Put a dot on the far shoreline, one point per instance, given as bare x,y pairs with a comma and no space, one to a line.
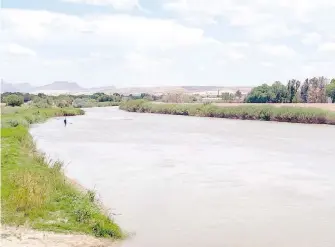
259,112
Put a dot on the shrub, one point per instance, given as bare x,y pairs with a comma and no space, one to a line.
251,112
14,100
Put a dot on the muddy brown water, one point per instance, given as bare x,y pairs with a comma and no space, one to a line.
188,181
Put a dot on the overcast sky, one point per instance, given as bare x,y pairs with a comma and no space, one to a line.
166,42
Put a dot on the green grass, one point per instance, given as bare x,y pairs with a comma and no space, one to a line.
34,191
85,103
108,103
245,112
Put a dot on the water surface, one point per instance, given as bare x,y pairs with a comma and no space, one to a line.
187,181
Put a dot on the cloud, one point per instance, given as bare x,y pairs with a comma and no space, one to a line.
44,26
311,38
271,30
131,49
278,50
327,47
267,64
193,42
15,49
239,44
255,10
117,4
260,19
235,55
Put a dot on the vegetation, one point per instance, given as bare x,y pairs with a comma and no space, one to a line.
47,101
26,96
34,189
248,112
311,91
330,89
238,94
227,97
178,98
14,100
87,103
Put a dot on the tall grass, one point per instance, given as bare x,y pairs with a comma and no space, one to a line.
34,190
247,112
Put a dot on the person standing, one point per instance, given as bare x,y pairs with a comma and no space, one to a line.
65,122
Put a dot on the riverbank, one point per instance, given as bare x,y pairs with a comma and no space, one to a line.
324,106
21,236
243,112
35,191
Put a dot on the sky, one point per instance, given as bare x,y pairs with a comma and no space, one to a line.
166,42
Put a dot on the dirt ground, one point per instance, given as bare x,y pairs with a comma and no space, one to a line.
24,237
325,106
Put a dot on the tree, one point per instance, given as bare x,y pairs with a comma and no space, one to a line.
27,97
260,94
279,92
304,91
293,87
227,96
238,94
14,100
176,97
317,90
42,95
330,90
97,95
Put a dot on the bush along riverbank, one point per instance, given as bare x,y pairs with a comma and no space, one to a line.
246,112
34,191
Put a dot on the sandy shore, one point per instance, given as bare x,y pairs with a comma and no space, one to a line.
19,237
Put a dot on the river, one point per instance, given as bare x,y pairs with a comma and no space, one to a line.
180,181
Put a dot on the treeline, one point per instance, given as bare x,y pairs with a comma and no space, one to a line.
66,100
45,101
314,90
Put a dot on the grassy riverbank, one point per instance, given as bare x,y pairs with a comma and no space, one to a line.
247,112
34,191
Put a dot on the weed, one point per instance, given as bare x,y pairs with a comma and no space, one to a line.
34,189
248,112
91,195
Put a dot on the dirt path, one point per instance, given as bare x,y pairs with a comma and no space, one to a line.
24,237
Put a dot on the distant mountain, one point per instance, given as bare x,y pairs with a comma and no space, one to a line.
55,87
24,87
65,87
19,87
61,85
7,87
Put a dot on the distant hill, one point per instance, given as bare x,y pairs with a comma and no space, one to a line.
55,87
8,87
61,85
65,87
19,87
24,87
